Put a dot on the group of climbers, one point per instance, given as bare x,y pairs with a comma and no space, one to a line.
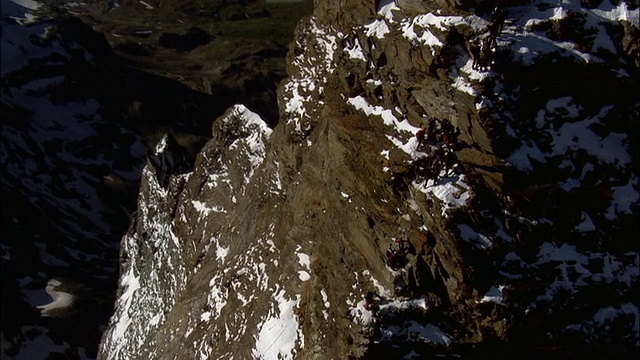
438,133
397,254
482,48
437,141
398,259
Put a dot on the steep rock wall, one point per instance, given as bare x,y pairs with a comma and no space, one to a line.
268,247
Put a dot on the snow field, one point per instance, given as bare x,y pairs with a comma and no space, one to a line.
279,333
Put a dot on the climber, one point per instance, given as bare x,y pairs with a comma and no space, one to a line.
446,141
396,258
391,256
370,303
368,300
498,17
426,175
420,166
474,51
371,64
448,134
434,168
439,161
432,131
444,157
486,53
420,136
402,245
450,159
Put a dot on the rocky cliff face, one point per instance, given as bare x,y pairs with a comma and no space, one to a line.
522,244
79,118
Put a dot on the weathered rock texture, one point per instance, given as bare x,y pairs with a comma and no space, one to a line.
526,248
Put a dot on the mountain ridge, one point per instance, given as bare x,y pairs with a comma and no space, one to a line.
444,179
491,245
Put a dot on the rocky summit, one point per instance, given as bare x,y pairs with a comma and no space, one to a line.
445,179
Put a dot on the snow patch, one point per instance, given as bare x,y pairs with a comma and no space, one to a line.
204,210
620,12
377,29
453,192
303,275
28,4
131,284
325,298
586,224
415,331
386,9
278,334
146,5
460,84
381,290
221,252
468,234
494,295
303,260
362,104
609,313
161,146
623,199
60,299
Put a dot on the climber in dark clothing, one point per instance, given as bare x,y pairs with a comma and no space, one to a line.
402,245
420,136
481,51
498,17
424,169
396,259
391,256
370,303
368,300
446,140
432,130
486,53
474,51
421,167
448,134
440,161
